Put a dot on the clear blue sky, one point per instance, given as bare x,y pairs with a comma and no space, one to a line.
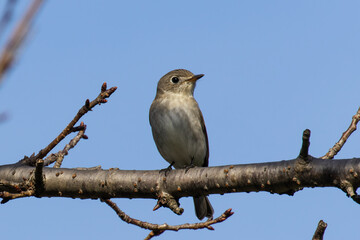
272,69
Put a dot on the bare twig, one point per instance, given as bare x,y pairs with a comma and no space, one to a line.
161,228
320,230
154,233
101,98
158,229
304,152
59,156
13,186
18,36
337,147
6,196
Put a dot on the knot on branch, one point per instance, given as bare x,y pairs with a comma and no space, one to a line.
167,200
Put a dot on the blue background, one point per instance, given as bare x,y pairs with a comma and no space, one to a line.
272,69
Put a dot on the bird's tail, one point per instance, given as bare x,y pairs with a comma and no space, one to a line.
203,207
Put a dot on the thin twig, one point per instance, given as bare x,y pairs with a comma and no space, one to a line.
101,98
304,152
17,38
154,233
337,147
59,156
13,186
320,230
158,229
6,196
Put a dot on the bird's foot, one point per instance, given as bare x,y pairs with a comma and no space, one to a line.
187,168
167,170
190,166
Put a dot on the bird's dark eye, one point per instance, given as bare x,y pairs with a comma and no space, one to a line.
175,79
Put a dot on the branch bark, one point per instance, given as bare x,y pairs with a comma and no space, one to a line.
320,230
283,177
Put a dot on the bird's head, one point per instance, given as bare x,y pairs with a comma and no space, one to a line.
179,81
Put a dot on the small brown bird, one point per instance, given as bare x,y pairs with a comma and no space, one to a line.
178,127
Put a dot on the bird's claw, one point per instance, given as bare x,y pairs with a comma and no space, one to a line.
167,170
187,168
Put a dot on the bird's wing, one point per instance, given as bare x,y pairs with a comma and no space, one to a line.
206,160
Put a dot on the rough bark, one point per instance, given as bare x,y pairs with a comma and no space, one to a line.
283,177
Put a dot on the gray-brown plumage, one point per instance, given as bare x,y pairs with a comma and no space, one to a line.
178,127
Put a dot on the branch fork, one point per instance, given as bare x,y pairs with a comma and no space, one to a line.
300,172
35,184
157,229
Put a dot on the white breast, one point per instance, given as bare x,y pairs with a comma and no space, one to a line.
177,130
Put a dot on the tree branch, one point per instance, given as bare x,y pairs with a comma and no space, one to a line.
17,38
320,230
159,229
59,156
283,177
337,147
101,98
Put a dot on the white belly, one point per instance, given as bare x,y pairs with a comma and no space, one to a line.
178,132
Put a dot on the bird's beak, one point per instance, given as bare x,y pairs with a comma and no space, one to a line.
195,78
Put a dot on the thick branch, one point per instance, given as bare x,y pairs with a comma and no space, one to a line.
283,177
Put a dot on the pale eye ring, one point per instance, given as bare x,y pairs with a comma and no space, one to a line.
174,79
